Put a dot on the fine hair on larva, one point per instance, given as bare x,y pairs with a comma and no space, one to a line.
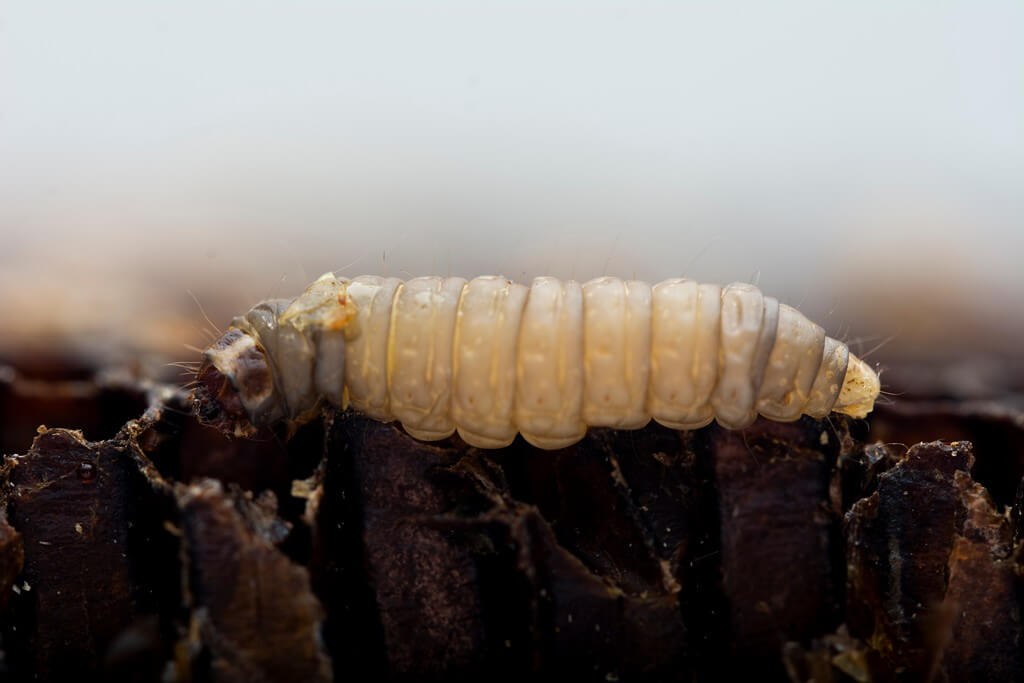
489,358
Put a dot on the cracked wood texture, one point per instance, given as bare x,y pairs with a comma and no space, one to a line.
148,547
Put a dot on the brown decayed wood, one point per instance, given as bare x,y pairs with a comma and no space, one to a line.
800,551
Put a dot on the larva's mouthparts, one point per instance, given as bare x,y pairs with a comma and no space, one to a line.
234,382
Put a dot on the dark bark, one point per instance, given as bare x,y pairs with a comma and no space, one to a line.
806,551
251,608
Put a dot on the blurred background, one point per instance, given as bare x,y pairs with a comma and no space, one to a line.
861,162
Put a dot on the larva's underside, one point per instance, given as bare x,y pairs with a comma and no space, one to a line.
489,358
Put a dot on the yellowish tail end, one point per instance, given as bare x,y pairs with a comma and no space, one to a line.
860,389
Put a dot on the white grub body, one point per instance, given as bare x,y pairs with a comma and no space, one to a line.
490,358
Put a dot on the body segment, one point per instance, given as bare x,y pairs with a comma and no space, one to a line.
685,333
549,365
740,367
366,345
616,353
419,356
491,358
486,336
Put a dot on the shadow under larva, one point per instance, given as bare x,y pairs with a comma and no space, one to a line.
489,358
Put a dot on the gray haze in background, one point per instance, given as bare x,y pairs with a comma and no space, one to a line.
865,161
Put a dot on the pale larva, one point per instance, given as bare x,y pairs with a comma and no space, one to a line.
490,358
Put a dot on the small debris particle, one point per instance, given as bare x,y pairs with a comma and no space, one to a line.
303,488
86,472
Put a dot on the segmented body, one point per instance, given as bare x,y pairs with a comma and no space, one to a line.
490,358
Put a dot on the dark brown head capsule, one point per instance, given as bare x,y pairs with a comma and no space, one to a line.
234,383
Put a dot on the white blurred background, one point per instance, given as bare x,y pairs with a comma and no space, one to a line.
863,162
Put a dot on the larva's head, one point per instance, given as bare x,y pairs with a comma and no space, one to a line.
860,389
234,379
277,361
